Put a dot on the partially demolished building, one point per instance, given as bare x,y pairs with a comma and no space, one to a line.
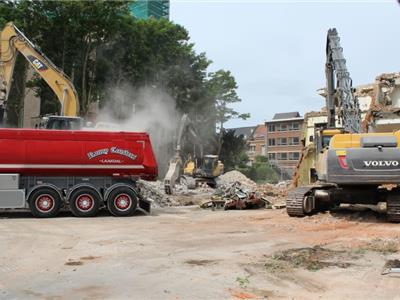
383,114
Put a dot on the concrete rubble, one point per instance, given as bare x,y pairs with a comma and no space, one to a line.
231,177
230,185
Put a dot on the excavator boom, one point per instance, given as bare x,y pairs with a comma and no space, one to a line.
348,106
13,40
175,166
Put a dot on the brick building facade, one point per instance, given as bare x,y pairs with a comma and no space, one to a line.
283,141
257,142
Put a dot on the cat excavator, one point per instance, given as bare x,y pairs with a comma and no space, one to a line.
12,42
191,171
350,167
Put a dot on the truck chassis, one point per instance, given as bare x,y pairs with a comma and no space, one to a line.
84,196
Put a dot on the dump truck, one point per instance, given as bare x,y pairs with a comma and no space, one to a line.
45,171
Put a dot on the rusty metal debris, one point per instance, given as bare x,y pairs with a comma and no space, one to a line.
236,197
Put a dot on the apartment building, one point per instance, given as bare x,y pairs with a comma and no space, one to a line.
283,140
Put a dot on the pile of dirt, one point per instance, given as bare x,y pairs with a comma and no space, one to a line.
383,245
182,196
154,192
229,178
274,193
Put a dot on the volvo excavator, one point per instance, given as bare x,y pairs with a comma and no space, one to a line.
12,42
350,167
190,171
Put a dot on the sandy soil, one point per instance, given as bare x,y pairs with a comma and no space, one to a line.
189,253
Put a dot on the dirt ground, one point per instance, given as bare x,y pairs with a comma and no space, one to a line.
189,253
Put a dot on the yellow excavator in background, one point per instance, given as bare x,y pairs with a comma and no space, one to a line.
12,41
190,172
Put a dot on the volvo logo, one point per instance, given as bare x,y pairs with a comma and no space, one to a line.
381,163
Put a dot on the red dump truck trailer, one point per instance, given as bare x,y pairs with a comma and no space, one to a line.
49,170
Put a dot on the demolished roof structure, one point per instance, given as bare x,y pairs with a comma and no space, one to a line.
384,110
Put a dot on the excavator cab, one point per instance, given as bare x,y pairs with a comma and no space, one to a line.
189,166
212,167
209,164
323,137
64,123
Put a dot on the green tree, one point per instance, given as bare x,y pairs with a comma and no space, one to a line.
233,151
261,170
222,87
157,54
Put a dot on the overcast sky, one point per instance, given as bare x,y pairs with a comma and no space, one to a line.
276,49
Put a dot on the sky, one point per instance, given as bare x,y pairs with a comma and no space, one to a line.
276,49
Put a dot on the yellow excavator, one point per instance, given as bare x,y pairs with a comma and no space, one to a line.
350,167
12,41
190,172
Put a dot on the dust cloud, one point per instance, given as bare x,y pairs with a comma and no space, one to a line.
144,109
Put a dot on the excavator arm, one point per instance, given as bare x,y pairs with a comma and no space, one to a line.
175,164
13,40
347,103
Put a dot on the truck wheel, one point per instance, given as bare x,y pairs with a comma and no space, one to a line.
44,203
84,202
122,202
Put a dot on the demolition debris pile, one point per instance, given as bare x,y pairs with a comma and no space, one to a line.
232,177
154,191
271,193
275,193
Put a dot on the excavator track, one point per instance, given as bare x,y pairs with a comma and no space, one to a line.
294,201
393,207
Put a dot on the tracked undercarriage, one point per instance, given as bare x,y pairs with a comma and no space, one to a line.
309,200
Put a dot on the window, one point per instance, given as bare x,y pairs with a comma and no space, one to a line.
282,156
294,141
282,141
252,148
294,155
263,152
271,156
271,128
271,142
295,126
283,127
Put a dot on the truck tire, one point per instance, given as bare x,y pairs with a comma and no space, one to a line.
44,202
122,202
84,202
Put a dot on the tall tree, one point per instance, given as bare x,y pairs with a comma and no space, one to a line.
222,86
233,151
